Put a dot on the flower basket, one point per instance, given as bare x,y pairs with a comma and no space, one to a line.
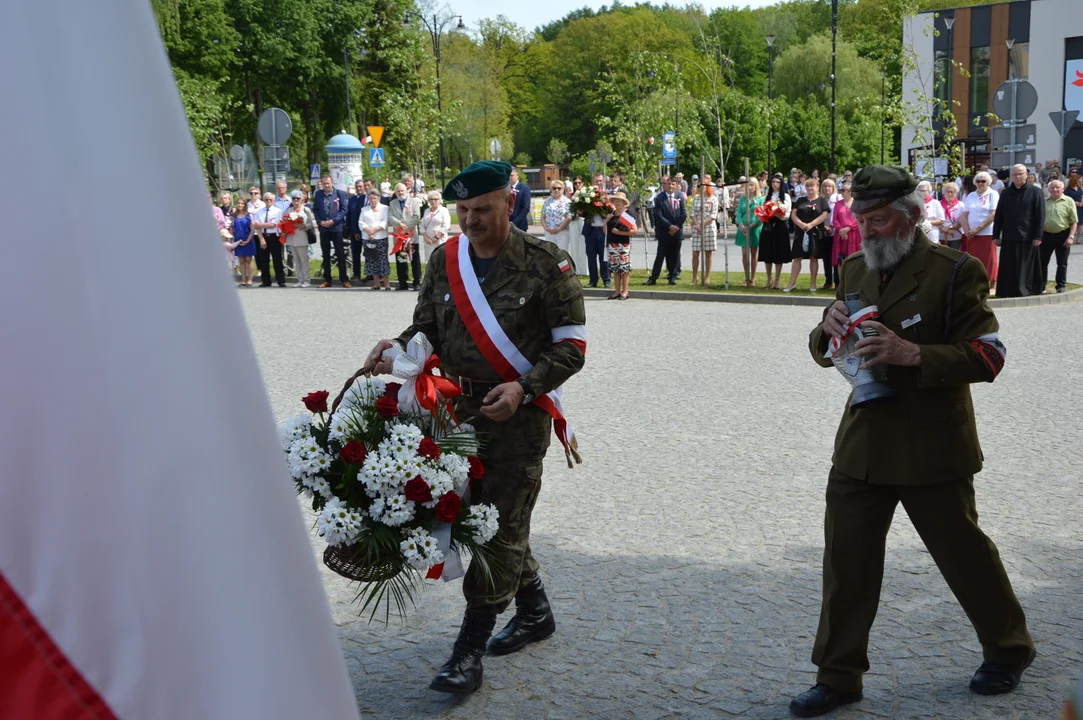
387,469
356,562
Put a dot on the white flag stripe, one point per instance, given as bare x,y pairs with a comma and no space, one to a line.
146,517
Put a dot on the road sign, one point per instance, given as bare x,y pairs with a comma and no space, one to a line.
931,167
494,148
669,147
274,126
236,153
314,171
1063,120
1001,136
1007,158
376,156
275,153
377,133
1015,100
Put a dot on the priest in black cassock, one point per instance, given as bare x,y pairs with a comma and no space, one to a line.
1017,227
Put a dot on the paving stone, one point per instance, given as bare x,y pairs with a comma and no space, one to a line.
694,529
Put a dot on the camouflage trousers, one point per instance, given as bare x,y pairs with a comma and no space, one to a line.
512,485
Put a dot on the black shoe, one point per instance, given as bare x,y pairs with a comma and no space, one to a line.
821,699
672,282
651,281
678,276
996,679
533,620
462,673
265,284
593,285
606,283
1060,290
402,287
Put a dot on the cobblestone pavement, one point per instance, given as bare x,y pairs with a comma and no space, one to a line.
683,557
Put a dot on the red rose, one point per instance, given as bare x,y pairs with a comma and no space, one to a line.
417,490
477,470
429,449
388,407
392,390
316,401
448,507
353,452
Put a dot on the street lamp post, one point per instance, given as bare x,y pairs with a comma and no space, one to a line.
676,124
883,96
834,41
435,31
770,97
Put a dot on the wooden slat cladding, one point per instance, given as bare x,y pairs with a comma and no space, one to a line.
998,51
960,85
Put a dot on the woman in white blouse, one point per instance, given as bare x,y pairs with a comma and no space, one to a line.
934,212
556,216
435,225
976,218
373,226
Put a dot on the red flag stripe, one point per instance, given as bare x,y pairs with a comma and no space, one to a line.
36,679
581,344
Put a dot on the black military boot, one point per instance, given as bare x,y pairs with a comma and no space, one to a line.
533,620
461,674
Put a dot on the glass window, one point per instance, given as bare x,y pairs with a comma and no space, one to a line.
942,79
1019,61
979,79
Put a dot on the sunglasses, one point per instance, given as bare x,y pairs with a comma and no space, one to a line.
981,182
254,193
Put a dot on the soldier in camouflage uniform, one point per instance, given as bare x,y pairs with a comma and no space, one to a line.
537,300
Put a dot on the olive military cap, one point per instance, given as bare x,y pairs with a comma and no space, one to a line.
875,186
479,178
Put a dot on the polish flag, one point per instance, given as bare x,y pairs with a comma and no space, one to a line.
154,562
627,221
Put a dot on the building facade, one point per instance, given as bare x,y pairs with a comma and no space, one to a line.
1039,40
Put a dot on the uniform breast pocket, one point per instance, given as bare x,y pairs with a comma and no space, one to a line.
517,312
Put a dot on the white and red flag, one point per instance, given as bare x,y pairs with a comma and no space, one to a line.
154,562
627,221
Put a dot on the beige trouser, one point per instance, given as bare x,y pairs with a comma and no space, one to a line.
300,262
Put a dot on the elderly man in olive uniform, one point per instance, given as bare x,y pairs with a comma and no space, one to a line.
920,448
537,300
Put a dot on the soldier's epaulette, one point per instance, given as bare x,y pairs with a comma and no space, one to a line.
945,253
549,248
853,257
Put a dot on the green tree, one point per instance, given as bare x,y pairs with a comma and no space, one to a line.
557,151
805,71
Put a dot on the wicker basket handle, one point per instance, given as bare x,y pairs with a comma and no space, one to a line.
363,371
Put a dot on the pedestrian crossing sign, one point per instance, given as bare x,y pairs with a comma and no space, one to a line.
376,157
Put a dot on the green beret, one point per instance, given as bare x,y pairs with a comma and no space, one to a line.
479,178
875,186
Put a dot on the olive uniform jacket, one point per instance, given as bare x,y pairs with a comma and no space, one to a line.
531,295
927,434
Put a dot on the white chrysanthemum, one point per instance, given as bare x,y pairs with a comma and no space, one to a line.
407,435
377,508
397,511
293,429
321,487
419,549
439,483
335,523
457,466
409,549
363,392
338,427
485,521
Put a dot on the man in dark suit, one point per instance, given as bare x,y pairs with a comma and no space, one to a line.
670,214
330,206
352,232
936,335
1018,225
520,214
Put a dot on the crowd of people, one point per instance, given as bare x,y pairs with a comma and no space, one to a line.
360,231
1015,222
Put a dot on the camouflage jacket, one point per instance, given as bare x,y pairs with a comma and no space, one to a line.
530,296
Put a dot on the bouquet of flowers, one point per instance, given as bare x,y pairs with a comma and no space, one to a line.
770,211
589,201
291,222
388,469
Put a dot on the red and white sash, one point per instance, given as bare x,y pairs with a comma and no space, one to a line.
495,344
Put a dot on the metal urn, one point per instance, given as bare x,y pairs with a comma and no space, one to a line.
870,386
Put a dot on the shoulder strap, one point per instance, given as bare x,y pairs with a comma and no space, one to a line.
951,295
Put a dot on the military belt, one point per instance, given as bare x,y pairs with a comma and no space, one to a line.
477,388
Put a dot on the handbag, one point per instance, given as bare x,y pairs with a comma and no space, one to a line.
311,231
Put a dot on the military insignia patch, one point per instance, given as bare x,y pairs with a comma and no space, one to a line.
564,266
459,189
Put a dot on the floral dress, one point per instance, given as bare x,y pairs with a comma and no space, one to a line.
708,239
